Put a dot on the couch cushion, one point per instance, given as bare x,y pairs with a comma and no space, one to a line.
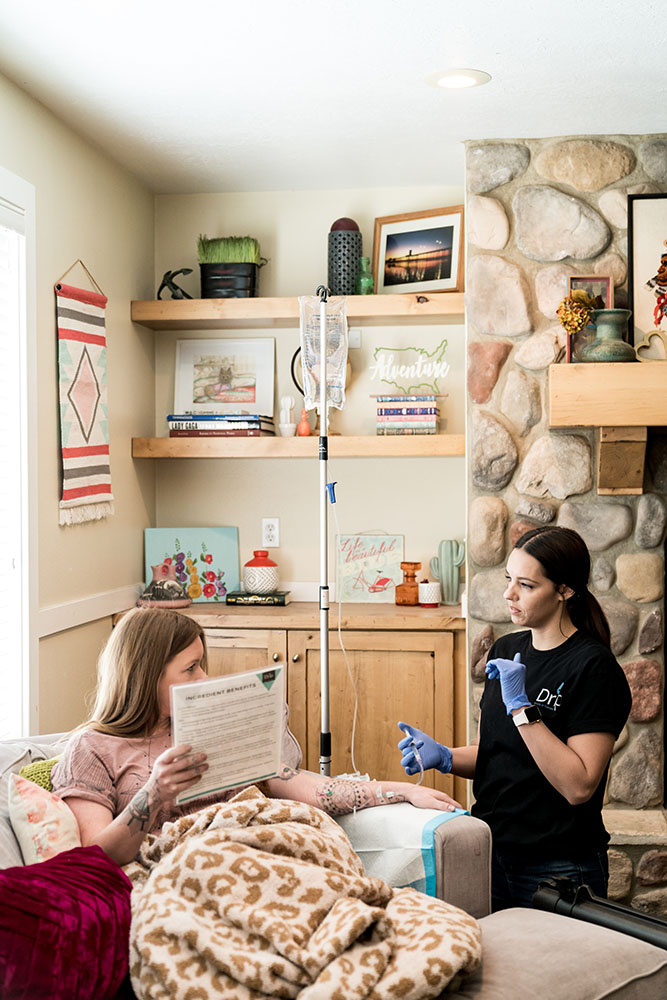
532,953
10,852
15,754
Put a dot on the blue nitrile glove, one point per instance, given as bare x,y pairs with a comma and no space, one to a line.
512,674
432,754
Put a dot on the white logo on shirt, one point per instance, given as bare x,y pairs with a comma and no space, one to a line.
548,700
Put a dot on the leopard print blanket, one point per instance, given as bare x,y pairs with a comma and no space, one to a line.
260,897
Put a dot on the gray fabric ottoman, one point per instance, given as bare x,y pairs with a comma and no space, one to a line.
535,955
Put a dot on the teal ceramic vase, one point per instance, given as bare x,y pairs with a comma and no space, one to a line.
609,345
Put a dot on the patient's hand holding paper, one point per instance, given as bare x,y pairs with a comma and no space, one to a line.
236,721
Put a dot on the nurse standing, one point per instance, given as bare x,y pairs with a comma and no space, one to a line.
554,702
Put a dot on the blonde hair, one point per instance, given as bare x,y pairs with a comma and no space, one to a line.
130,666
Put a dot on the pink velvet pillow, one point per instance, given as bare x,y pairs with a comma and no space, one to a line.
64,928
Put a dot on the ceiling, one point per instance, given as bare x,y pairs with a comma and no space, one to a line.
221,95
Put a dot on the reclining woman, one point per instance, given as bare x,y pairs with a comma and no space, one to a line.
554,702
119,773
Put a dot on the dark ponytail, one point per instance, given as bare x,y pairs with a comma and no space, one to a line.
565,559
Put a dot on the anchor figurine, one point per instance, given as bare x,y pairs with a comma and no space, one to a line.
168,282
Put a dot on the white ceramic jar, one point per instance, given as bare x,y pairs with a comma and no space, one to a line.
260,574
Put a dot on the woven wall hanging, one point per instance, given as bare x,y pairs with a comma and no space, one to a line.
84,425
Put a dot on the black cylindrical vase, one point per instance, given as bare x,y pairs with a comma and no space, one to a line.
228,281
344,258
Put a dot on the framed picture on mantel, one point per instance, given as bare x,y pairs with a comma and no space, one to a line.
419,251
647,264
594,284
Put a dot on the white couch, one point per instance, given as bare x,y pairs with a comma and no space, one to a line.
527,954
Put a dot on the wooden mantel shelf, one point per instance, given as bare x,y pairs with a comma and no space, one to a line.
621,400
340,446
213,314
608,395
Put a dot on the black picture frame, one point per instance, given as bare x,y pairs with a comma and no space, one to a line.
647,233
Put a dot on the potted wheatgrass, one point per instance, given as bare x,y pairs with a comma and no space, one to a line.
229,266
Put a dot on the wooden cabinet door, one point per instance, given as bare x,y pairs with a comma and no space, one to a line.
231,651
406,676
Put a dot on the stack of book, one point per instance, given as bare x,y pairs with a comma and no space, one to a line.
406,415
279,597
219,425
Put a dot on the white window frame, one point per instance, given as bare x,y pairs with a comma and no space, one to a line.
19,195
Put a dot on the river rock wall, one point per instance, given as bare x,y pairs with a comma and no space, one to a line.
538,210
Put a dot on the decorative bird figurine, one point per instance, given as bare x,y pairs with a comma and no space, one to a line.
164,590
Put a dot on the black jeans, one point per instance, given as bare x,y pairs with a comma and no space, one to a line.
514,880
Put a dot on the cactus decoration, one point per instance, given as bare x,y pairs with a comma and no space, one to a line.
445,567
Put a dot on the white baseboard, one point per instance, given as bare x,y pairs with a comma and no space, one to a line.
58,617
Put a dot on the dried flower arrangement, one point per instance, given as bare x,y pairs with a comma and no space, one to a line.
574,313
575,310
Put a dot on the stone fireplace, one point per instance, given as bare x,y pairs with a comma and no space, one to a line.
537,211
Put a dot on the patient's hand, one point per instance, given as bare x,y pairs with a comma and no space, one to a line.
428,798
174,771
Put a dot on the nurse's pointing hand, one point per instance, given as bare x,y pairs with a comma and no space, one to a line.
512,675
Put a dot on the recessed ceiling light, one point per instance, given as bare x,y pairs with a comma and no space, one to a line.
456,79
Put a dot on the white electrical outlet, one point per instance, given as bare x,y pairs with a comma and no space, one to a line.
271,532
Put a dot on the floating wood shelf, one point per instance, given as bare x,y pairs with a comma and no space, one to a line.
621,400
608,395
409,446
214,314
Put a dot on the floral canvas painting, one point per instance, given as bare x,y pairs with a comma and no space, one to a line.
206,560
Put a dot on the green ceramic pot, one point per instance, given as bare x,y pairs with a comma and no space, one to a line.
609,345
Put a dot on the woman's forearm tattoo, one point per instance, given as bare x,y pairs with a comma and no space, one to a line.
341,796
139,811
286,772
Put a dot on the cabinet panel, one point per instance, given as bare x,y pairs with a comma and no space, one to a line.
231,651
398,675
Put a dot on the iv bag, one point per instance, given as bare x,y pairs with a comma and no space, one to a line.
311,355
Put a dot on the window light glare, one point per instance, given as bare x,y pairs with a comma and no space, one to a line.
457,79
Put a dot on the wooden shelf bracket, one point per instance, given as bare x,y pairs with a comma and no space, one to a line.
621,457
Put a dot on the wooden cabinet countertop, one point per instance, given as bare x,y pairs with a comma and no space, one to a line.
306,615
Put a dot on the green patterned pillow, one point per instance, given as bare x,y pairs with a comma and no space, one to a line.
40,772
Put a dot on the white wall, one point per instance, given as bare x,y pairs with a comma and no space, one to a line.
90,208
424,499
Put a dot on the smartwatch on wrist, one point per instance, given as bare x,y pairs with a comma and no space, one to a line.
527,715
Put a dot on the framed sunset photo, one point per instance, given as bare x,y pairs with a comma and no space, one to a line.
419,251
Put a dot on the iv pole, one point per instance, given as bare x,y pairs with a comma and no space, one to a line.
325,728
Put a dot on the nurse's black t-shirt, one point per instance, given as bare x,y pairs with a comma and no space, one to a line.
580,688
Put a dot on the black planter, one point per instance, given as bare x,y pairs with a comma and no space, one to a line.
229,281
